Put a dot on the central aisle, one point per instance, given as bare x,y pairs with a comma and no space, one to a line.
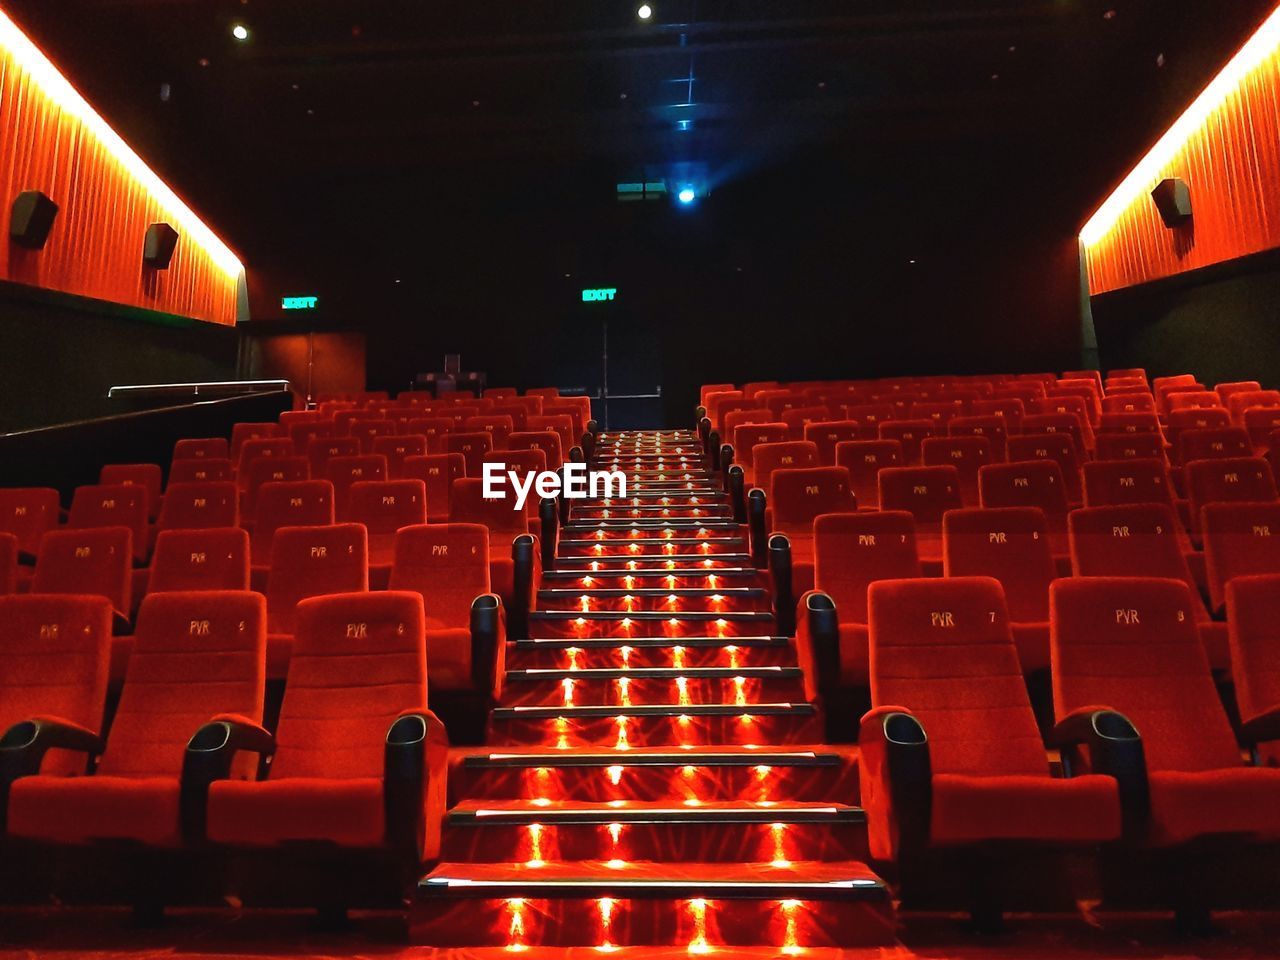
651,779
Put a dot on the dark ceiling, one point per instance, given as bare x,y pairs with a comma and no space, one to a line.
417,121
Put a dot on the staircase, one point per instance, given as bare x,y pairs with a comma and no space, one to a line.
652,779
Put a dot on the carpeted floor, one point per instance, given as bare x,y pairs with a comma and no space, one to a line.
197,935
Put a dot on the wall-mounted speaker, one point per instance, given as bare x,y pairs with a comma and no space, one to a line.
1173,200
32,219
158,249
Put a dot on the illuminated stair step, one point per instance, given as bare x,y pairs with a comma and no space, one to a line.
519,812
689,563
656,725
598,653
661,710
654,673
667,643
622,688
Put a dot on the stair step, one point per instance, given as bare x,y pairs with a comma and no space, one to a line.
657,615
613,643
520,812
655,673
552,712
604,653
707,756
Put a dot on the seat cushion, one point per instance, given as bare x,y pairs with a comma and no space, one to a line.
449,659
855,668
969,809
348,813
279,652
1189,804
1032,640
83,809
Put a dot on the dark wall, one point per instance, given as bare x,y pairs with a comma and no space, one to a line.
1222,324
61,356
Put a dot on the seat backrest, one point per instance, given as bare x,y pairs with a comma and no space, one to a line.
195,655
967,454
384,506
1238,403
560,423
54,660
1059,447
433,428
911,434
499,428
448,563
1009,409
852,550
1233,480
28,513
1130,423
202,448
1260,423
258,449
737,418
93,562
1027,483
1109,483
112,505
1138,400
790,454
1131,645
199,506
148,476
1253,612
1069,423
801,495
924,492
344,472
397,449
941,413
200,560
798,418
475,447
202,470
241,433
1008,544
518,413
437,471
1130,446
1212,443
321,450
266,470
468,504
1195,400
993,427
299,503
1240,540
943,649
366,431
870,415
1134,540
749,436
313,561
548,441
359,661
827,434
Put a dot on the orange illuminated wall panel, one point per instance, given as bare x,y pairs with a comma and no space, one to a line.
1226,146
52,140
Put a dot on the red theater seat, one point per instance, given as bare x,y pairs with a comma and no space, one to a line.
170,690
397,449
1252,603
994,427
309,562
798,418
1233,480
1140,540
384,506
366,432
911,434
260,449
926,493
205,470
53,664
499,429
1009,409
1112,483
864,460
967,454
747,437
145,475
202,449
829,434
505,523
1029,483
1238,403
787,455
187,560
448,564
301,503
800,496
359,761
257,473
1010,545
1130,446
28,513
113,505
344,472
437,471
1198,430
475,448
1060,448
90,562
322,450
548,441
852,551
435,429
1131,645
947,686
199,506
1071,424
1240,540
241,433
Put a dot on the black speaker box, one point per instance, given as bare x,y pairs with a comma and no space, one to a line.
161,241
32,219
1173,200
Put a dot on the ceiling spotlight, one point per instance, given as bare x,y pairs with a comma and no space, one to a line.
240,32
645,11
686,195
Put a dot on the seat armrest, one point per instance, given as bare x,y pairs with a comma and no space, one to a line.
1261,728
784,601
24,745
415,777
210,753
897,782
488,644
526,562
1114,749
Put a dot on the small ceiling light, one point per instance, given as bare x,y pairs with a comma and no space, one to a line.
240,32
686,195
645,11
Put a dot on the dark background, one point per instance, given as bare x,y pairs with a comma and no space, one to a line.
891,187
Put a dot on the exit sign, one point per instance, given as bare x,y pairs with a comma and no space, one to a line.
599,294
299,303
